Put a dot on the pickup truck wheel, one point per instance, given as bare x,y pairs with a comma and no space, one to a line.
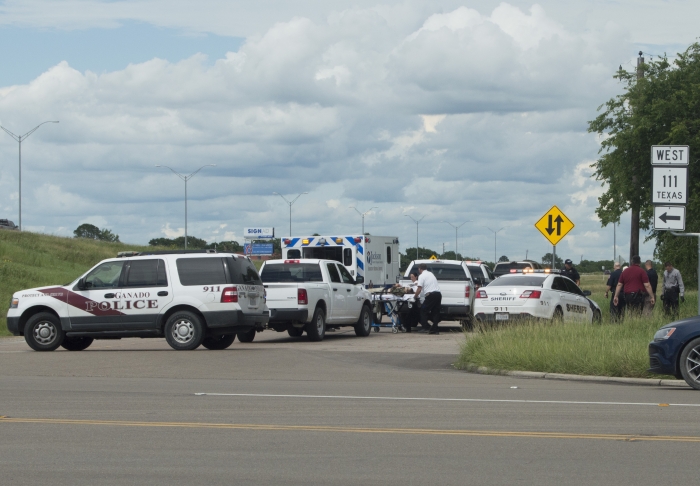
43,332
246,337
184,331
316,329
364,324
218,342
76,343
295,331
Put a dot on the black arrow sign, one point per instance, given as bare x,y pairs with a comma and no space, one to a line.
559,221
665,217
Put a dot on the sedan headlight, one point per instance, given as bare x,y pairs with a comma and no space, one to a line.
14,303
663,334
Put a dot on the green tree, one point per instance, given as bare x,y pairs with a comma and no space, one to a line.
504,259
193,243
547,260
92,232
410,254
662,108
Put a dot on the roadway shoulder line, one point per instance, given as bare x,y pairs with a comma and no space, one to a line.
483,370
434,399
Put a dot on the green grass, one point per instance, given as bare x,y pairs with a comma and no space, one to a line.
32,260
575,348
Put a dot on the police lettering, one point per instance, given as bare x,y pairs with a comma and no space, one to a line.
578,309
118,305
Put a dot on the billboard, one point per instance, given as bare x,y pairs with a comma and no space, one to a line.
258,249
258,233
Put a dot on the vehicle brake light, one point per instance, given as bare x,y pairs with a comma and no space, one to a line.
481,294
513,270
467,292
229,295
292,261
302,297
531,294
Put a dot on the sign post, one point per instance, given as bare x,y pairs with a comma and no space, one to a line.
554,226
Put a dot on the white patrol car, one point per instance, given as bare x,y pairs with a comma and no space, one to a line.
537,294
188,297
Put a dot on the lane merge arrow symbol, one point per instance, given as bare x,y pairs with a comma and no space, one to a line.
554,225
559,220
665,217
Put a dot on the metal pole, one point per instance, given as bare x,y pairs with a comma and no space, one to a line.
20,183
614,243
185,214
290,219
290,207
494,248
554,257
416,241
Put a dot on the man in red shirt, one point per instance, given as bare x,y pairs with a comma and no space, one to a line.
636,283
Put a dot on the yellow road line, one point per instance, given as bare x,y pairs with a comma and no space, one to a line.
377,430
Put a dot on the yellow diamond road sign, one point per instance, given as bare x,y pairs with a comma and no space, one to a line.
433,257
554,225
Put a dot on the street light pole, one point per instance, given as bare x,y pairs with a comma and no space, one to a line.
20,139
290,207
363,216
494,242
456,229
186,178
416,221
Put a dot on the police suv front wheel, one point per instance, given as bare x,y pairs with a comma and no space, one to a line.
184,331
43,332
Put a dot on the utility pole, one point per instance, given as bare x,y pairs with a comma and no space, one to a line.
456,229
361,214
416,221
634,226
290,207
495,260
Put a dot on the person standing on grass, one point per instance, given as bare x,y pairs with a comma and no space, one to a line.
653,281
673,289
571,272
635,282
617,312
428,285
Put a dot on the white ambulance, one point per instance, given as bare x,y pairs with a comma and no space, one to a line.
375,258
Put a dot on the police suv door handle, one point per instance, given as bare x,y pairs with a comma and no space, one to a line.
335,290
109,296
349,290
162,293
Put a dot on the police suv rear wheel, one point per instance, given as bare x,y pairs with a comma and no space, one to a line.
218,342
364,324
43,332
184,331
76,343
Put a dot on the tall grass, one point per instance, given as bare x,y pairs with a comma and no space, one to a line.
32,260
607,349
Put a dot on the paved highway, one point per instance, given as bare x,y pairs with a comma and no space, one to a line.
388,409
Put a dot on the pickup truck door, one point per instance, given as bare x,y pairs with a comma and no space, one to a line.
337,291
352,294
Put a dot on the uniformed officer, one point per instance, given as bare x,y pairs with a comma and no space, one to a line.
673,289
571,272
617,312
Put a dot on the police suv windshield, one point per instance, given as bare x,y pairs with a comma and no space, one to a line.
519,281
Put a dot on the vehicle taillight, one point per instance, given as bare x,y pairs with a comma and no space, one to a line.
481,294
229,295
531,294
292,261
302,297
467,291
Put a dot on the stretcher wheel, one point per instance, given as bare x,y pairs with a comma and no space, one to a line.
376,329
394,330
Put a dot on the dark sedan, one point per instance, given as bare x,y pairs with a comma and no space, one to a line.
675,351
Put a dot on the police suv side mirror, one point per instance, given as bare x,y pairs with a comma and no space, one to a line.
81,284
359,279
587,293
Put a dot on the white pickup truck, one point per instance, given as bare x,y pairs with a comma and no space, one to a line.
312,295
456,287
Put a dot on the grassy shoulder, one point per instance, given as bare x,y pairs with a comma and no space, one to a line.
33,260
575,348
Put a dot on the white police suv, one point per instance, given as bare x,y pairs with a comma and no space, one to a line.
534,294
191,298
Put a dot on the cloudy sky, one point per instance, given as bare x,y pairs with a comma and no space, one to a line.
451,110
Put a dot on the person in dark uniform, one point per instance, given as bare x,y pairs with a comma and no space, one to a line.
571,272
653,281
617,312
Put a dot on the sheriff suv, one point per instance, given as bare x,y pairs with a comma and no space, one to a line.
190,298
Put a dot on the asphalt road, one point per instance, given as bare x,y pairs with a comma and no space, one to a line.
388,409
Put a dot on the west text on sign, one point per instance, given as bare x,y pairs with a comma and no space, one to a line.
670,155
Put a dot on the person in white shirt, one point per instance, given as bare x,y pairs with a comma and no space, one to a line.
429,288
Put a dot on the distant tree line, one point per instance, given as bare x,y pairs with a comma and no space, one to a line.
92,232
